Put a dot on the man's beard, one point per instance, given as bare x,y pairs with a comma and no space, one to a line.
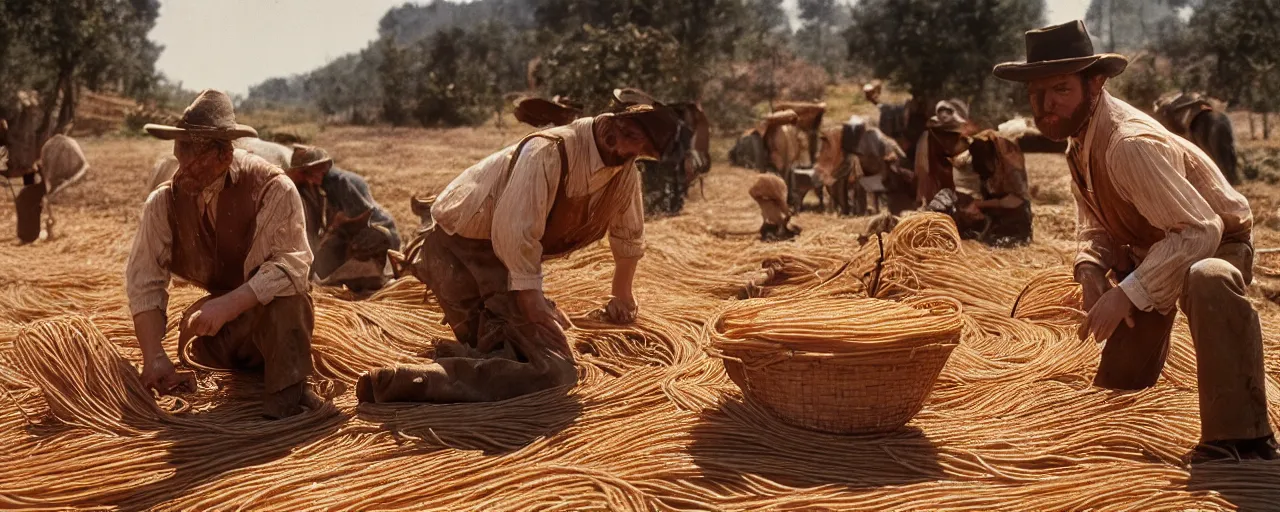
192,183
1063,128
194,178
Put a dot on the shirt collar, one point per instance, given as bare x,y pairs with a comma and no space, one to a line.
584,131
1101,110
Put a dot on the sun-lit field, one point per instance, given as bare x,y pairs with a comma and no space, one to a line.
654,423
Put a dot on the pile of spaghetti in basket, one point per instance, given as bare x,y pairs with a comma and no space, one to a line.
835,363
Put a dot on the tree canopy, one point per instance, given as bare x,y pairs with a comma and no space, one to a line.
944,49
58,46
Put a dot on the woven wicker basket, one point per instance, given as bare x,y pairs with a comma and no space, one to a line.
843,393
833,363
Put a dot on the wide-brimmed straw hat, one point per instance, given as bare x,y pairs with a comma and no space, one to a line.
210,116
306,158
1060,50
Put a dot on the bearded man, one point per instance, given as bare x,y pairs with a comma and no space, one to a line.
1157,216
232,224
553,193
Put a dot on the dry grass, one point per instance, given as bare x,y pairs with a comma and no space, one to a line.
1015,405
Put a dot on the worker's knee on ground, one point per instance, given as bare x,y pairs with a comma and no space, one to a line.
403,383
1213,276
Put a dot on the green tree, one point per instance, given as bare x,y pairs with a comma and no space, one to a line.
1129,25
588,64
1237,42
69,44
946,49
818,39
395,77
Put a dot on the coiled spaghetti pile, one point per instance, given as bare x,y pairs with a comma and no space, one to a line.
655,423
836,364
833,325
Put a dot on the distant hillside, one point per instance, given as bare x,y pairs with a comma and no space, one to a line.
410,23
353,78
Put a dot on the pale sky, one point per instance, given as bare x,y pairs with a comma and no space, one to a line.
233,44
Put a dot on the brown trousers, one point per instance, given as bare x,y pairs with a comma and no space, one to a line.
1228,344
502,355
29,203
273,338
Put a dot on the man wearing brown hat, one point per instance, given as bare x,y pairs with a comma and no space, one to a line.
232,224
1156,216
946,137
348,231
553,193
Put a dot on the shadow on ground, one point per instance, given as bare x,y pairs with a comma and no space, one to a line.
228,435
494,428
728,456
1249,485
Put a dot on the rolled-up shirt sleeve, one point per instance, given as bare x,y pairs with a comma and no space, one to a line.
626,231
280,241
147,271
1155,182
520,215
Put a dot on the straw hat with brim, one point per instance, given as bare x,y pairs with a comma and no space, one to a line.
210,116
660,123
1060,50
307,158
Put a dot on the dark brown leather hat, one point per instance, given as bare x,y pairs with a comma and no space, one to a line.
539,112
1060,50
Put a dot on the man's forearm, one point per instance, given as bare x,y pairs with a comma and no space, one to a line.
240,300
150,328
624,274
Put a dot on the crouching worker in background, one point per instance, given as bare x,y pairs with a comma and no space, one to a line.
232,224
348,231
770,193
553,193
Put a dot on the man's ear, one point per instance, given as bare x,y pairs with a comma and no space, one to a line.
1096,84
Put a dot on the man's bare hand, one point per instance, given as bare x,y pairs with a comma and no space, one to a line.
1105,316
622,310
160,375
537,310
211,317
1093,281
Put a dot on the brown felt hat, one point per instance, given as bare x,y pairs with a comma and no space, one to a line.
210,116
1060,50
306,158
660,123
539,112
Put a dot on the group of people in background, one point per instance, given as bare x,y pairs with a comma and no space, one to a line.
255,226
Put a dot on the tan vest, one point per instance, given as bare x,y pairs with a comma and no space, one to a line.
572,222
1121,219
213,256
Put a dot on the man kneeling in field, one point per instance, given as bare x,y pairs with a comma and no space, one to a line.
555,192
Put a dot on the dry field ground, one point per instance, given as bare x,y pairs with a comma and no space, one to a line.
654,424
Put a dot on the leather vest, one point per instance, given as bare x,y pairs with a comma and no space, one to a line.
212,254
573,222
